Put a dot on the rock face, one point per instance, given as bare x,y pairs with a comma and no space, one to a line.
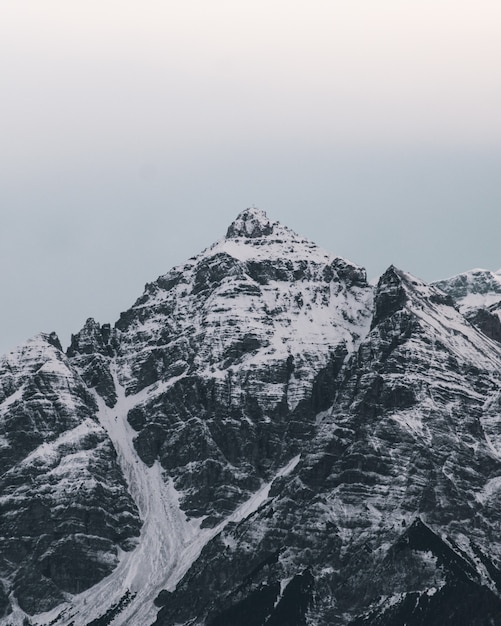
64,505
89,352
229,346
293,445
477,294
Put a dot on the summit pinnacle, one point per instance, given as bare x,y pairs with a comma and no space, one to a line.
250,223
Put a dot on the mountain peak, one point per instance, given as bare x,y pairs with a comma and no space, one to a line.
250,223
474,289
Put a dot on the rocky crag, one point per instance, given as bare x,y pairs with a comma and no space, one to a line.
262,438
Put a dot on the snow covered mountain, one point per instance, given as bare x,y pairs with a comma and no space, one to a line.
262,438
478,296
474,289
66,513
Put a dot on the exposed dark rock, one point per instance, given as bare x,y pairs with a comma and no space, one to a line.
489,323
293,606
350,274
34,592
253,610
5,606
390,295
421,538
90,351
93,339
477,282
461,604
53,340
251,223
211,272
64,508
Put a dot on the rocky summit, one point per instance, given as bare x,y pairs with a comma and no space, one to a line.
263,438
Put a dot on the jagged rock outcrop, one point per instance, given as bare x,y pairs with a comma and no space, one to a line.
64,505
89,352
488,321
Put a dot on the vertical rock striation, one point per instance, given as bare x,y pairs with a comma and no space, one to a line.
64,507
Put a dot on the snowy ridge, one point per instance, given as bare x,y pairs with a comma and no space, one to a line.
399,488
473,289
252,236
58,479
24,361
244,329
449,326
278,292
48,457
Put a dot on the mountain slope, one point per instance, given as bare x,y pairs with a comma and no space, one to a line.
64,507
477,294
405,440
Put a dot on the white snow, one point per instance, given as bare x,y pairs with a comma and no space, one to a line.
481,288
477,300
307,318
248,249
412,421
12,399
450,328
491,488
256,500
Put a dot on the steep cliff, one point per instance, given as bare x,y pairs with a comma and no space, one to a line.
65,511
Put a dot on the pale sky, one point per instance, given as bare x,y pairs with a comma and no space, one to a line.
133,132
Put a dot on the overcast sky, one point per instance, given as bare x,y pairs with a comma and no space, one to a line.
132,133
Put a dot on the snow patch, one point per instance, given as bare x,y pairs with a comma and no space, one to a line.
491,488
